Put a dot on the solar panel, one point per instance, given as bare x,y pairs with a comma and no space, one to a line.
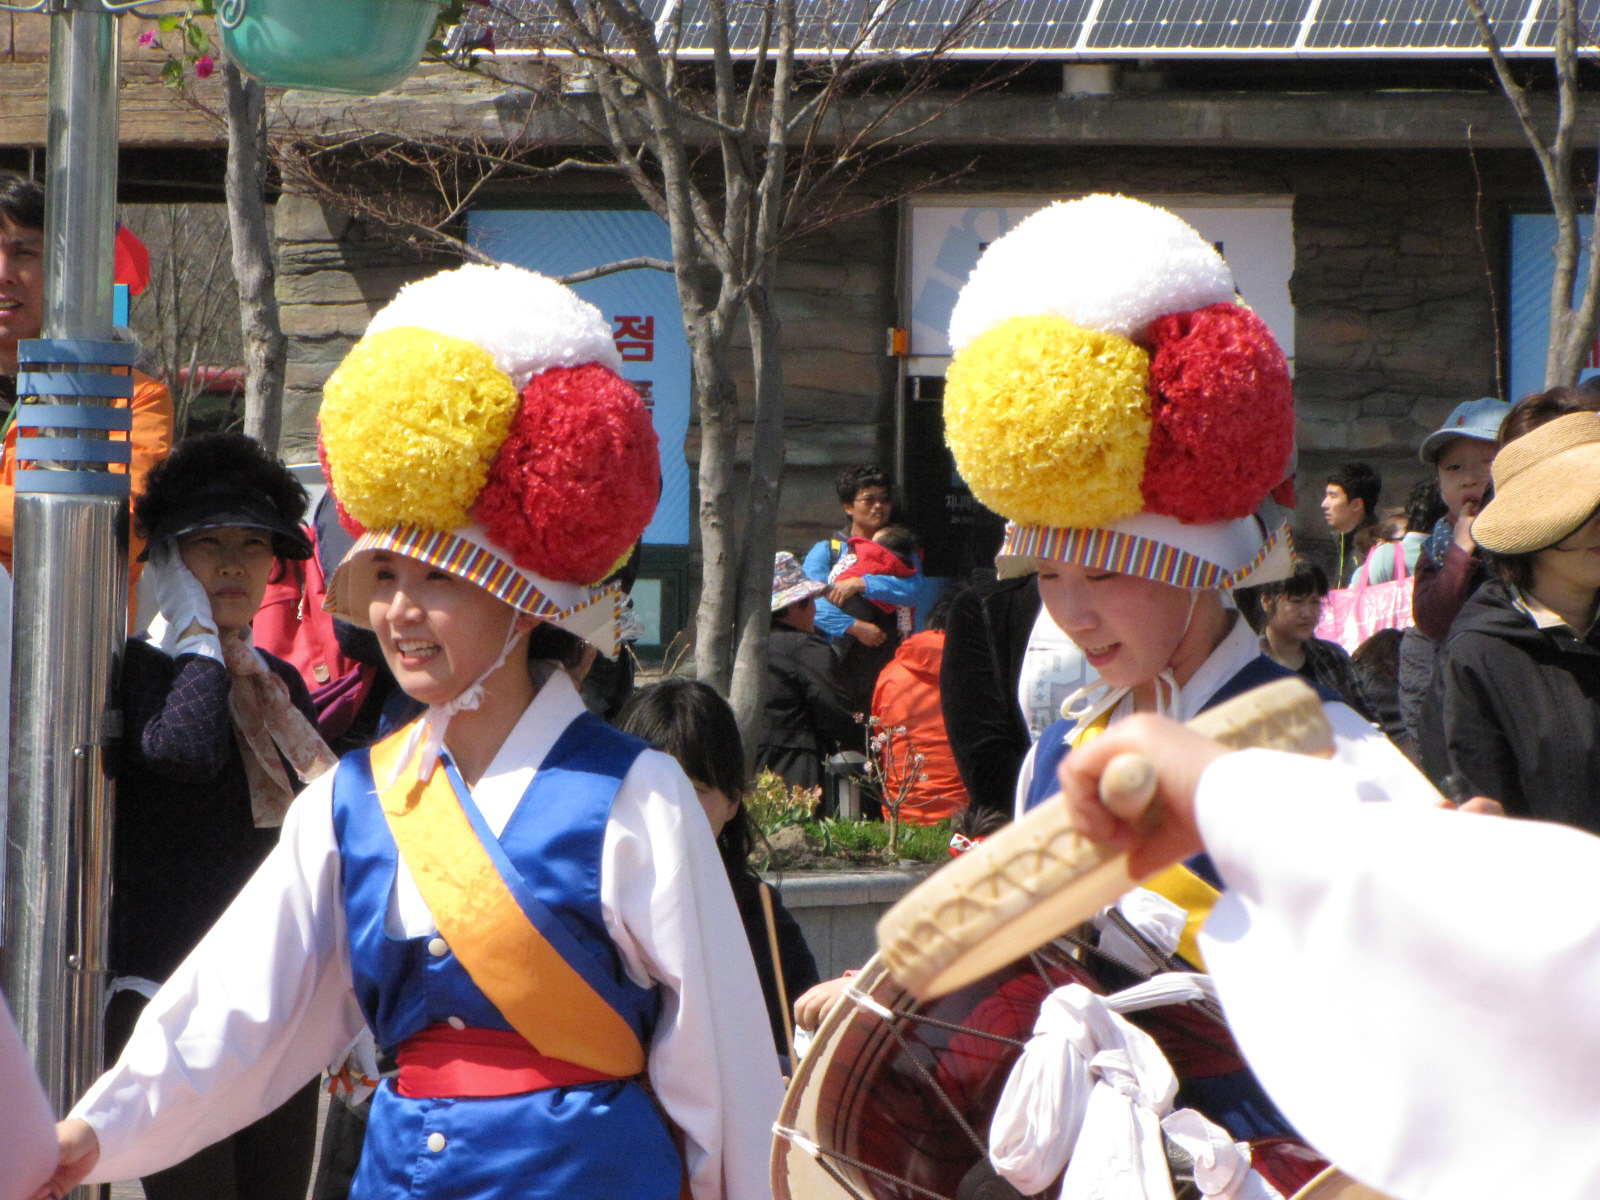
1422,24
819,24
1071,29
1198,24
1013,25
1542,29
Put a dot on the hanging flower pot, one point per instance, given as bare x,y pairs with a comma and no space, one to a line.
358,46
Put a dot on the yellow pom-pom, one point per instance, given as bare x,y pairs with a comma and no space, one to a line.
1050,422
410,423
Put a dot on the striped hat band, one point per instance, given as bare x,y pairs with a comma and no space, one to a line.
589,612
1108,550
1220,555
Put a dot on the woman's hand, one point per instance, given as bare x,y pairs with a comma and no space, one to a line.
1168,833
80,1150
852,585
809,1009
867,633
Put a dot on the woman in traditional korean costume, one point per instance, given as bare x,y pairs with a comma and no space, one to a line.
1111,398
526,906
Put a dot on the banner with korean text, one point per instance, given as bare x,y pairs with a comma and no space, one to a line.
642,306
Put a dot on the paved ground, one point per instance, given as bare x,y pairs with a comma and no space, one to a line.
132,1191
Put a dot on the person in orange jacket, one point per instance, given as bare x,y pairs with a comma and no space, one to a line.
907,697
21,317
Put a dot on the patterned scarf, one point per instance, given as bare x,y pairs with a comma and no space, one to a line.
266,722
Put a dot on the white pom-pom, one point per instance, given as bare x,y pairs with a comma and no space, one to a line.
1108,263
526,321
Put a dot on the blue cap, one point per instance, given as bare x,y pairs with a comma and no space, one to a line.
1478,419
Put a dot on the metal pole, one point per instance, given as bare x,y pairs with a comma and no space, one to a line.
70,578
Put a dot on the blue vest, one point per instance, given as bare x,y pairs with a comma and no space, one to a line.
598,1140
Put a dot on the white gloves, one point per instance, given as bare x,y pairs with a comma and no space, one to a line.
184,604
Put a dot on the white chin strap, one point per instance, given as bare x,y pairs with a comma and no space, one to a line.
1086,704
429,731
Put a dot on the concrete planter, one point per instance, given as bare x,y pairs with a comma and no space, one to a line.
839,910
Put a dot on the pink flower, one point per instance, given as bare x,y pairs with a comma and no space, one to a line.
204,65
148,38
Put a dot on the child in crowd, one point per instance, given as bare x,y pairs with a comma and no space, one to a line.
1449,567
688,720
891,551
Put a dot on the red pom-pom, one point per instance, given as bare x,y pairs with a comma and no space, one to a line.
577,479
350,525
1222,415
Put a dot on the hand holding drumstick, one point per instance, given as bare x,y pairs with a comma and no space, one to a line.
1162,833
1162,830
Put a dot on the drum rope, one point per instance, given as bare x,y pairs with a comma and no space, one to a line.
978,1143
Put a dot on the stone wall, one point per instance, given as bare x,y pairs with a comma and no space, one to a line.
1395,299
333,274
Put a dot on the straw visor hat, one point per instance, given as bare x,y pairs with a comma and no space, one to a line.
1111,398
1546,485
481,426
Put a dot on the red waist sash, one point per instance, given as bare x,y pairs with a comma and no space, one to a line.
443,1061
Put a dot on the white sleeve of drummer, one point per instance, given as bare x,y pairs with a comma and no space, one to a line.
1416,988
667,905
258,1009
1384,773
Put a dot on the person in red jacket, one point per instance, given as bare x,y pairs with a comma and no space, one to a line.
907,697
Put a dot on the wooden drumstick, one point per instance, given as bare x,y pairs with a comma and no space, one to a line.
1127,785
1038,876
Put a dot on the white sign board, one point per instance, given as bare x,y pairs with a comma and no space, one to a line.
1255,237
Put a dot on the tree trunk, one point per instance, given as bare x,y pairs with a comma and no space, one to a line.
760,542
265,348
718,404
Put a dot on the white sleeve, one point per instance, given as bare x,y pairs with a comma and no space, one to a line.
1417,989
258,1009
668,907
1384,773
30,1130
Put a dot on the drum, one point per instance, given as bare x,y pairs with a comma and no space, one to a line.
895,1097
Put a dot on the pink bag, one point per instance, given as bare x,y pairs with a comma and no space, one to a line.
1351,615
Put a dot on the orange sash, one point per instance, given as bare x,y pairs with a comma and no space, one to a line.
537,991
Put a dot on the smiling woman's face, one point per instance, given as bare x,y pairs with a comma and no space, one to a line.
439,633
1128,627
233,564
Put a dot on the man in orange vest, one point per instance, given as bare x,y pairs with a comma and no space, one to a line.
22,317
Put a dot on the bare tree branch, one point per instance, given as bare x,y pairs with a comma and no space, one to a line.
623,264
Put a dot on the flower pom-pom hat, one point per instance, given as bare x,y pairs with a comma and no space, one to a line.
481,426
1110,397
